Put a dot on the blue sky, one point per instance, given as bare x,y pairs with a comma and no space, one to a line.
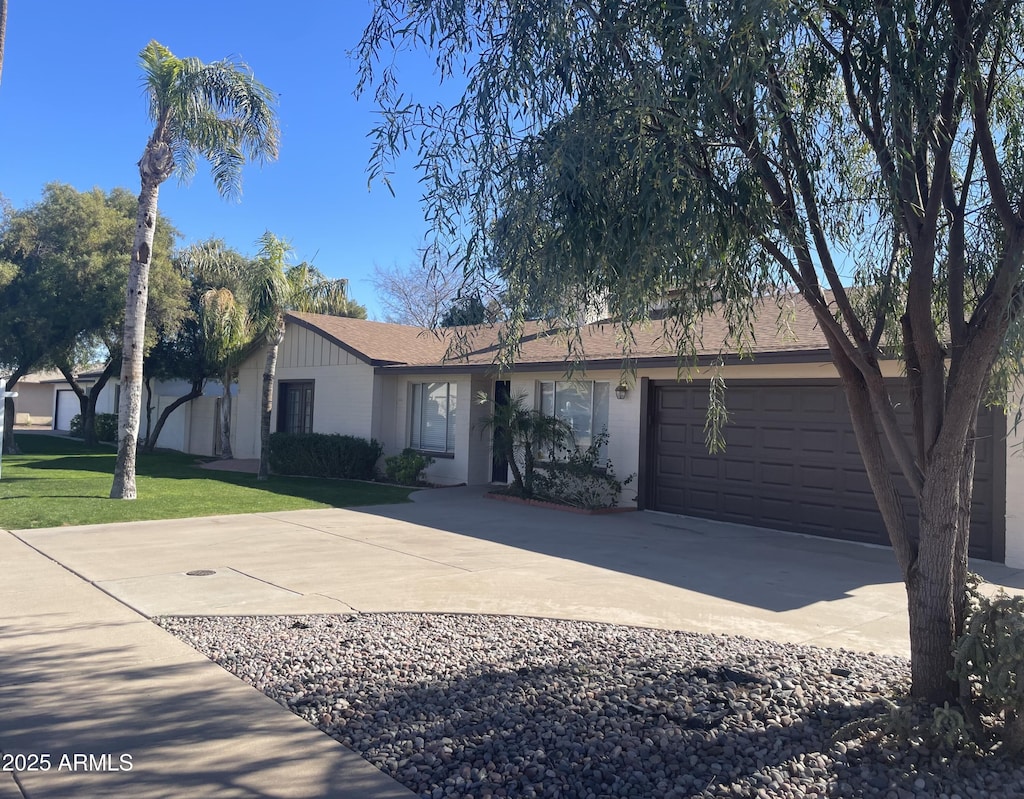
72,110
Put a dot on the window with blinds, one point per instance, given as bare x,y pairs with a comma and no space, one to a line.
433,417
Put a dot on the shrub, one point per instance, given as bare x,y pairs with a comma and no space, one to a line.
324,455
988,661
106,427
579,479
105,424
407,468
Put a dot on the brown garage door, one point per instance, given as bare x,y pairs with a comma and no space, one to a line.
790,463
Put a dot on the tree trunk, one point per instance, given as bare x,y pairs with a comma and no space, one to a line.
86,424
137,297
195,393
87,399
268,401
10,446
96,389
517,475
147,383
934,594
225,417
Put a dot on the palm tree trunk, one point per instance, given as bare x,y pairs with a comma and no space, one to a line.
3,32
130,407
268,400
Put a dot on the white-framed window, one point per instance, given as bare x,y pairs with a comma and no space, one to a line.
582,404
433,417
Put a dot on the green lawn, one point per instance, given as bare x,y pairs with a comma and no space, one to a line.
59,481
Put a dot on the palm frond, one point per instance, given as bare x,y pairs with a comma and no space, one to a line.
217,111
159,73
213,264
267,285
225,327
313,292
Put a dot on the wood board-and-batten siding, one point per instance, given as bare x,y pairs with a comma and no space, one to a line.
302,347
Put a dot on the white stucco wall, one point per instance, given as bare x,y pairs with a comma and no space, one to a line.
1015,497
444,470
34,403
343,389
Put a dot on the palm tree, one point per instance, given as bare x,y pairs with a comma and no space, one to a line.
274,289
216,111
226,334
3,31
521,434
221,274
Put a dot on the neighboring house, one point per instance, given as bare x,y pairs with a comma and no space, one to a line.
791,461
35,403
45,399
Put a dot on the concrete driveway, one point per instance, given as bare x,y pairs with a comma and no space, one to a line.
83,671
453,550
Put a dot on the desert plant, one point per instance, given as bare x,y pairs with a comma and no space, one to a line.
521,433
407,468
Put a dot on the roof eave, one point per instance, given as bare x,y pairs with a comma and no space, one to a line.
597,364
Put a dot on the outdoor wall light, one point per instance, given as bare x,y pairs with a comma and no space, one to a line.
621,390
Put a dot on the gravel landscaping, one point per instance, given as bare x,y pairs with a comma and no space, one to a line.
491,706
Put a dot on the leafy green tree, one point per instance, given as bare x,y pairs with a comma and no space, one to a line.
67,260
466,311
217,111
273,289
101,340
864,158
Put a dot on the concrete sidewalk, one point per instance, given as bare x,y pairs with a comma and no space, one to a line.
84,673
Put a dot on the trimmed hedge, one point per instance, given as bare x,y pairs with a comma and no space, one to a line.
324,455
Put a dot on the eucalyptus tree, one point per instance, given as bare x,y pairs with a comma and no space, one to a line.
217,111
275,288
867,158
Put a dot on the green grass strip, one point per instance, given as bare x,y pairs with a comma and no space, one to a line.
58,482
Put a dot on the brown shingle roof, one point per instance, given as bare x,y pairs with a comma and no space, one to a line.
378,343
784,326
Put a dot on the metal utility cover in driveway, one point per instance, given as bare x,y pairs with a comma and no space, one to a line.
224,591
